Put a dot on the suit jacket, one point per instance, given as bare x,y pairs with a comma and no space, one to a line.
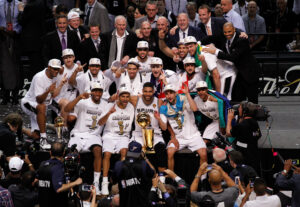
193,31
241,56
216,25
87,50
129,47
99,16
82,31
52,45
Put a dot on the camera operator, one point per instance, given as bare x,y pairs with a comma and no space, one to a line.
134,176
51,175
11,124
87,196
246,132
284,182
225,196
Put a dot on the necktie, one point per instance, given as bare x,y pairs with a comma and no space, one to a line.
208,31
87,18
228,46
63,42
8,17
97,45
78,33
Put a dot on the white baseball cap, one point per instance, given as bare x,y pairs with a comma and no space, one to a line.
15,164
54,63
96,85
142,44
189,60
156,61
73,15
133,61
94,61
67,52
181,42
124,89
201,84
169,87
190,39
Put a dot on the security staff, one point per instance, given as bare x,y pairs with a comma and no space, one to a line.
51,176
246,132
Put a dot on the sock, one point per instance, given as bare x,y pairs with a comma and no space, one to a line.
105,179
96,177
43,134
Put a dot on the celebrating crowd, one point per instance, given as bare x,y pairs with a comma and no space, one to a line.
161,78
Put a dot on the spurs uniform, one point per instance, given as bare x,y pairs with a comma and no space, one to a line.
144,66
85,80
209,109
39,84
142,107
183,78
181,119
117,128
135,85
67,91
86,132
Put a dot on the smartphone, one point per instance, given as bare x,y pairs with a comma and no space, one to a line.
209,167
295,161
251,183
86,187
237,179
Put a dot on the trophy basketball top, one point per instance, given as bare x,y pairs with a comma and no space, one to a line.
143,119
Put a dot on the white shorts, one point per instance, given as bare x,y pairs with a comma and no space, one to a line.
138,137
193,143
29,107
84,141
211,129
113,143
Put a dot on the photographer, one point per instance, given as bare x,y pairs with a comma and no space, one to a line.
51,175
87,196
11,124
292,183
246,132
225,196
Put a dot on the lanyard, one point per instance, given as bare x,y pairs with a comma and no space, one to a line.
5,9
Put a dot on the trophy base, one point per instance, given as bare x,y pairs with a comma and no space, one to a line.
150,151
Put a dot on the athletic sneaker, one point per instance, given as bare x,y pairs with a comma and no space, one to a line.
104,188
44,144
98,191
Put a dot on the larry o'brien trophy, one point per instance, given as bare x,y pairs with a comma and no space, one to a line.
144,120
59,123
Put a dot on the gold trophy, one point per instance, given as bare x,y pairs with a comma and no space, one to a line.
121,127
144,120
94,122
178,120
59,123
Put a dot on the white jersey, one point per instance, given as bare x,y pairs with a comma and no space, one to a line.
199,76
186,118
208,108
120,122
210,60
135,85
39,84
67,91
226,68
149,109
85,80
144,66
88,114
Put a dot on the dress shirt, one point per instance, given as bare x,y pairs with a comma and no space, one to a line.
60,37
208,24
120,41
181,33
240,10
265,201
235,19
14,13
88,6
194,22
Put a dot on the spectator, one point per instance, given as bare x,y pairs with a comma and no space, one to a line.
134,177
115,8
231,16
151,17
130,15
176,6
11,124
220,157
118,45
9,50
5,198
254,23
139,12
262,199
87,196
162,11
74,25
292,183
51,176
96,14
14,176
191,8
56,41
148,35
220,195
218,11
241,7
24,195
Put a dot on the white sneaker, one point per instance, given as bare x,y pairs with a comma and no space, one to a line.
104,188
98,191
44,144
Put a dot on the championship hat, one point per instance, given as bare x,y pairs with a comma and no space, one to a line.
54,63
142,44
169,87
94,61
201,84
67,52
